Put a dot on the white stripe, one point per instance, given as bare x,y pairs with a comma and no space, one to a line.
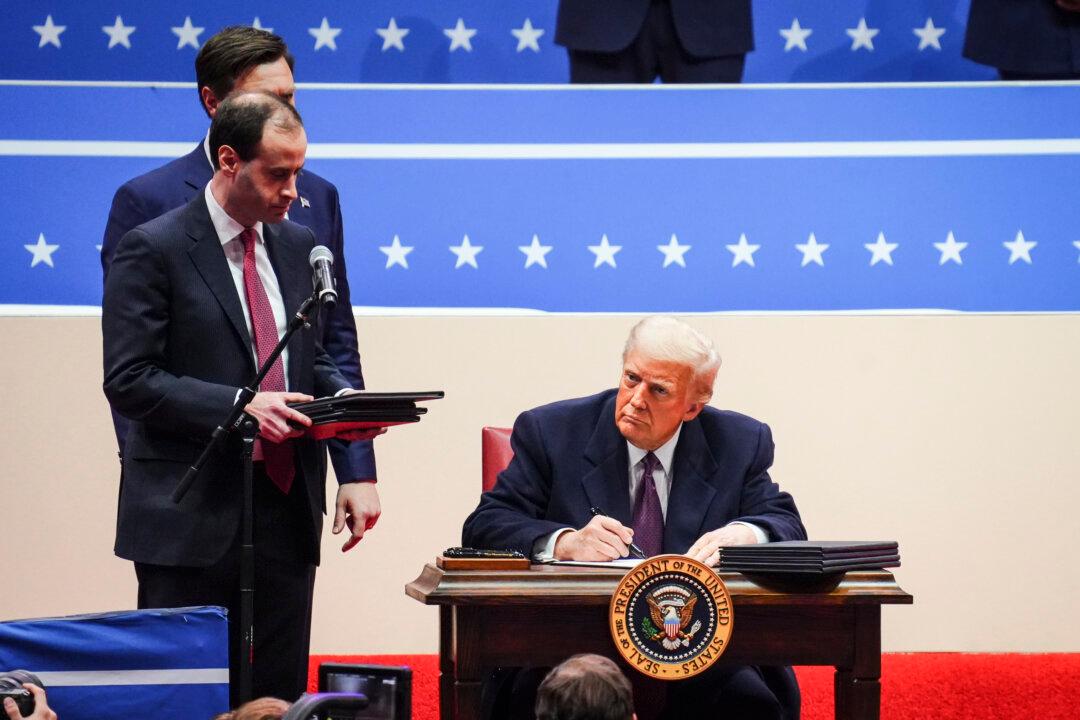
576,151
201,676
563,87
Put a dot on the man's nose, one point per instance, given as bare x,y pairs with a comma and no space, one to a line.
290,189
637,400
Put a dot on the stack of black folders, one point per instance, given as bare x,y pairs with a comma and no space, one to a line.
332,416
810,558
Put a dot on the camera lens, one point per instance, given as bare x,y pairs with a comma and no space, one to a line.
14,679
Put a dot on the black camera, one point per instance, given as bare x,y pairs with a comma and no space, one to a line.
11,686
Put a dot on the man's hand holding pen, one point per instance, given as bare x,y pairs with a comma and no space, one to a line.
603,538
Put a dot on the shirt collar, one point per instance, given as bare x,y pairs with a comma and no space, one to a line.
227,228
665,453
206,149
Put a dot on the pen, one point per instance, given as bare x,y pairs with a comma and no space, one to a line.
635,551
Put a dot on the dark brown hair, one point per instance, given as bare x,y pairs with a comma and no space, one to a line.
585,687
240,120
231,53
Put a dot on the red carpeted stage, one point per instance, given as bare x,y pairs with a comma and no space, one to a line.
942,686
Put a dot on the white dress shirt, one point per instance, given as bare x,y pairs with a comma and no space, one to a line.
228,231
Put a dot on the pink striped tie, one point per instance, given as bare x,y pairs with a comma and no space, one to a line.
278,457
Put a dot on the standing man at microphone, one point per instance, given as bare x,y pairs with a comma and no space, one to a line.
195,300
244,59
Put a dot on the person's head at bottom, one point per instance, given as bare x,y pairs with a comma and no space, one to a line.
585,687
264,708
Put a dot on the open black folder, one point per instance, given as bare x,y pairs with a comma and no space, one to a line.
332,416
809,557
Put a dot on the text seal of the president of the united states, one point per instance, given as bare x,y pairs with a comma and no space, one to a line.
671,617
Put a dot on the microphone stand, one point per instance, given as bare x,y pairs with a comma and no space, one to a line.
248,427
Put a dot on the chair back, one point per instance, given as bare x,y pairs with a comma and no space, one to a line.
497,454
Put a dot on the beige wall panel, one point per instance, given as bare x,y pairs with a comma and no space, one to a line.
956,435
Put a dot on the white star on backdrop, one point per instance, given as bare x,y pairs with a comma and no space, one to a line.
466,253
1020,249
1076,244
460,36
527,36
257,24
743,252
862,36
811,251
795,36
950,250
395,253
535,253
119,33
929,36
392,36
42,251
324,35
604,252
882,250
674,252
188,34
50,33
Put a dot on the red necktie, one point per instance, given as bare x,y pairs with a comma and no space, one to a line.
278,457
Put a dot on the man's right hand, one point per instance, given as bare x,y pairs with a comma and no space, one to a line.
274,415
42,711
604,538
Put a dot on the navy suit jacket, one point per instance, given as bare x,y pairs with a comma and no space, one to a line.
1023,36
706,28
570,456
176,349
175,184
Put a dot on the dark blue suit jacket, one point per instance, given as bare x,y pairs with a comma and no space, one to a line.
706,28
177,183
570,456
1034,37
176,349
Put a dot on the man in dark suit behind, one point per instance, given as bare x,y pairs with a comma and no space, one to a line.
193,298
1025,39
669,473
244,59
636,41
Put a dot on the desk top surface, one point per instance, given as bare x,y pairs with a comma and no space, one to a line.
553,584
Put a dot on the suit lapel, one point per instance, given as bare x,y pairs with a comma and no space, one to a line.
290,266
197,171
607,485
691,491
211,263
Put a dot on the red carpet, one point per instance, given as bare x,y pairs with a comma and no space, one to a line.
942,686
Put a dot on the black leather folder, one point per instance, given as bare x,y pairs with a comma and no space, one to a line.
334,416
808,557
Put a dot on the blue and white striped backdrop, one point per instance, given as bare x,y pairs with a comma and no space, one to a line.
551,198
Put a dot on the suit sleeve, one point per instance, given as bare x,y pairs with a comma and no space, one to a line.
135,331
763,503
511,515
352,460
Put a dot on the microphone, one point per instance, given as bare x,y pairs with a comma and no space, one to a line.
322,266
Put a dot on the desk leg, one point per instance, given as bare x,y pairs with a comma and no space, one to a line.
459,676
857,689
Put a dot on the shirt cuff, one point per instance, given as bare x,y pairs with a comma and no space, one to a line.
543,549
761,535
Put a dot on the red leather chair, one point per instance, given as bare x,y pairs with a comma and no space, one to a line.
497,454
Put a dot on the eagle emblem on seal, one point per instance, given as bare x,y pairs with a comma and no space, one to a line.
671,608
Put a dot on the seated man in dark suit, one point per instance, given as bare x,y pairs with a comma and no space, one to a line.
668,472
244,59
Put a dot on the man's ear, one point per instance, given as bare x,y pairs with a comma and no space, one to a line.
228,160
209,100
693,411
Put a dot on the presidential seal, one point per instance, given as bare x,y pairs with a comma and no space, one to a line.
671,617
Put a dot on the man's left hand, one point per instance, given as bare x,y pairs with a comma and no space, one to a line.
707,548
358,508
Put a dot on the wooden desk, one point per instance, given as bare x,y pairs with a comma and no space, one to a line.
540,616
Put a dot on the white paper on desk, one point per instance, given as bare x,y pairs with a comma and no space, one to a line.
625,563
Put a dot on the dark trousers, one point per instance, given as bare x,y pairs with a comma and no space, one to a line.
746,692
655,52
284,581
